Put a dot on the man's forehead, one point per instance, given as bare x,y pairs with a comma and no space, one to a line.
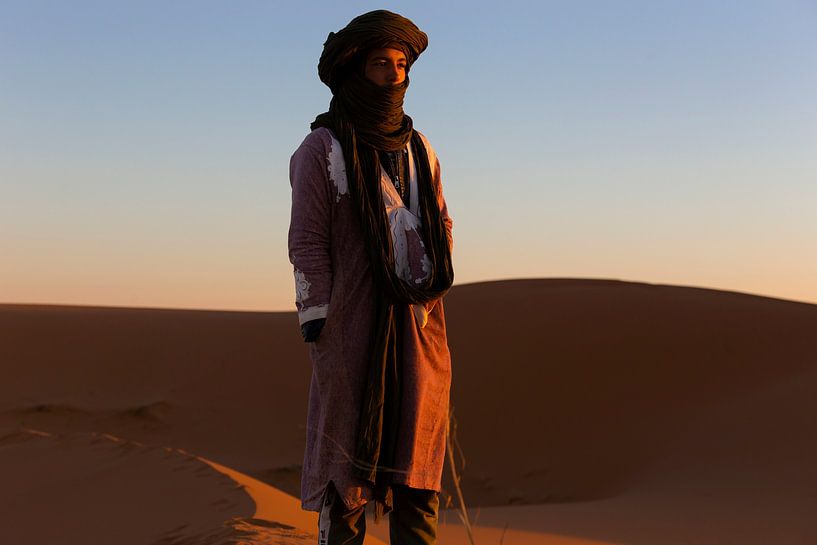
387,53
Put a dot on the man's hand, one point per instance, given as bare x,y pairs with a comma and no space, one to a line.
311,329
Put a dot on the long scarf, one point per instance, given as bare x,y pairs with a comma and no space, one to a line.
368,119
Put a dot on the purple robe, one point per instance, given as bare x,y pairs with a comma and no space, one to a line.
333,280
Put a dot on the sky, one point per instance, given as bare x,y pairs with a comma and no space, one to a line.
144,146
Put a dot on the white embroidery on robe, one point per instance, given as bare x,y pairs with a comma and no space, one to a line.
337,169
302,286
313,313
402,221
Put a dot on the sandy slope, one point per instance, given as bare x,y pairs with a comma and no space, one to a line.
598,377
95,488
92,488
588,411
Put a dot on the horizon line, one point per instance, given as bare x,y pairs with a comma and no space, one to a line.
98,306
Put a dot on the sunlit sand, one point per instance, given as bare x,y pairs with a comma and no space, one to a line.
588,412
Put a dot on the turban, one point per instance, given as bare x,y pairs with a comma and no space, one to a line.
376,29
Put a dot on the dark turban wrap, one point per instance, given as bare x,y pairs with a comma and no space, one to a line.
368,119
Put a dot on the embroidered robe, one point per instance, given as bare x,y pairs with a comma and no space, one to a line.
333,281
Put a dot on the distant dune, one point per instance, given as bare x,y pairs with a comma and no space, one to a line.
588,411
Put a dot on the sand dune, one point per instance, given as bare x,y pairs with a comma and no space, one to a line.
599,378
98,488
588,411
78,487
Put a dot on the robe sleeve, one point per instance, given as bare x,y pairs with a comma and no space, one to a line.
309,232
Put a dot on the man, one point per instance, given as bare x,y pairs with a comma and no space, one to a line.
370,241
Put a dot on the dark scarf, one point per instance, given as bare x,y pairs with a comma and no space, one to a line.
368,119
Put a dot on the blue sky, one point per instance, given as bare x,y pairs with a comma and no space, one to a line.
144,146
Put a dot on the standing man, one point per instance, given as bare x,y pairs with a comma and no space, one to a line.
370,241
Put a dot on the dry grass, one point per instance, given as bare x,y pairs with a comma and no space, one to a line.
451,446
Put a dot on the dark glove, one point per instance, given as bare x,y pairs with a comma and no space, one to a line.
311,329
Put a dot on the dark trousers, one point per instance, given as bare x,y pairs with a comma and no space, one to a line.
412,521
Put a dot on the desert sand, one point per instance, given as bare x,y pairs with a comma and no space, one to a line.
587,412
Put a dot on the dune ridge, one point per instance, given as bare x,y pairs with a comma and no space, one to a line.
117,465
